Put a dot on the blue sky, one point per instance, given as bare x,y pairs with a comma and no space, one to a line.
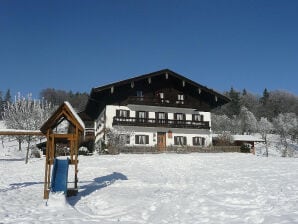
77,45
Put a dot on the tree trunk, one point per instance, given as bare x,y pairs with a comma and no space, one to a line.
20,144
266,146
28,149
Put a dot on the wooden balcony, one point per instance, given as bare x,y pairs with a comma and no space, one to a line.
151,122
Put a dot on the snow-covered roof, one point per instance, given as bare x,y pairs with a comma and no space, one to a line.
19,132
74,113
243,138
63,111
248,138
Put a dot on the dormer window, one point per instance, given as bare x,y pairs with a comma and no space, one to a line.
180,99
140,95
161,95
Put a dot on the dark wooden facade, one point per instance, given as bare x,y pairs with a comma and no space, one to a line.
161,88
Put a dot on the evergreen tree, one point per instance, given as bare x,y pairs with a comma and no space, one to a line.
7,97
234,105
1,105
244,92
264,99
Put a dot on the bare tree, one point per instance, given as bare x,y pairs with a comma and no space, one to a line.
117,138
265,127
26,113
248,121
220,123
285,125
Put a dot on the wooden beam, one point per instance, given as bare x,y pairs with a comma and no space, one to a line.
20,132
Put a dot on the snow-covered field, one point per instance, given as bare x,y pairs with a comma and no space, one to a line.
162,188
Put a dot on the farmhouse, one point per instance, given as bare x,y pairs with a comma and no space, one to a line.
162,109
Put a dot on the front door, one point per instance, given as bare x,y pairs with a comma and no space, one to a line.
161,141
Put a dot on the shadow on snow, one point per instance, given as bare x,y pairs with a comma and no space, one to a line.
15,186
97,184
12,160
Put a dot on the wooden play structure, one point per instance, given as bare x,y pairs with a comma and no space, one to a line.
71,137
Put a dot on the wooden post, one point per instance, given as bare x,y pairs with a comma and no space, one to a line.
47,168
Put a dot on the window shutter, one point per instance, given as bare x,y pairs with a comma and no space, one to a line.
128,113
166,116
175,116
137,114
117,113
203,141
175,140
202,118
184,117
193,117
146,114
194,141
136,139
147,139
184,141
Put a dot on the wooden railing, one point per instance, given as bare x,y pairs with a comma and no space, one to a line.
151,122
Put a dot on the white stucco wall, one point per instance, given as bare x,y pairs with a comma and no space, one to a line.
110,112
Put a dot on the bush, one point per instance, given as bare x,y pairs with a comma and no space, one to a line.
84,151
245,148
35,153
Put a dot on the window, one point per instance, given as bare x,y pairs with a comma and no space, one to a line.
179,118
180,99
161,95
180,140
200,141
124,139
161,117
140,95
197,117
142,139
142,116
122,113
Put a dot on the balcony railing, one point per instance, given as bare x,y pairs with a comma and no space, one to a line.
151,122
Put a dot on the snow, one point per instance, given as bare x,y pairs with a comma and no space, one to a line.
12,131
249,138
75,114
156,188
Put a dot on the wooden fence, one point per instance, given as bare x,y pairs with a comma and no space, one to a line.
175,149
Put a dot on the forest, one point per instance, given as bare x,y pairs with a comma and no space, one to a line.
274,112
50,95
